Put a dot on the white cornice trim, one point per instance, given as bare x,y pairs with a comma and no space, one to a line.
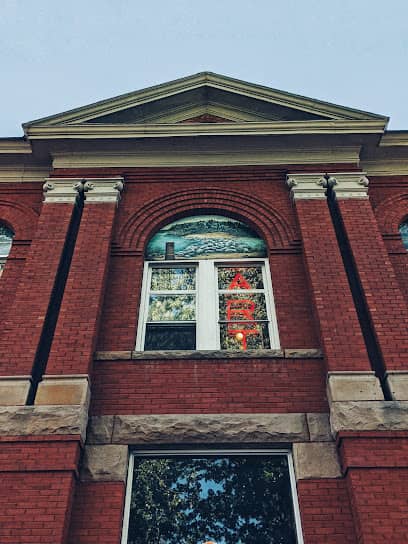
385,167
205,157
391,139
20,173
203,129
12,146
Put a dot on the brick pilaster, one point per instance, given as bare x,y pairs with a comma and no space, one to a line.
340,331
22,331
75,336
385,302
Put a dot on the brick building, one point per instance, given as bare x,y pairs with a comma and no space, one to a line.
204,282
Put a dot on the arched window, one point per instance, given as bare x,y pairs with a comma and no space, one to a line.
6,239
404,234
207,286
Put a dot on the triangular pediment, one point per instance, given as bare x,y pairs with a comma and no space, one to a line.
201,100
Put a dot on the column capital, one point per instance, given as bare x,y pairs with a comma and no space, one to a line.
100,190
307,186
62,190
350,184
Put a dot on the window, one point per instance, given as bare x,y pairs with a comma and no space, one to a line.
6,239
404,234
219,497
207,287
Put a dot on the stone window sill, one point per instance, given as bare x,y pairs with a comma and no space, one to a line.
210,354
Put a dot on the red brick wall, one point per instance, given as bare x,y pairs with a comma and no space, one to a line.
33,507
97,513
325,512
380,504
166,387
37,483
377,479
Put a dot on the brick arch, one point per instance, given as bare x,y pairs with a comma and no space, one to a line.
22,220
266,221
391,213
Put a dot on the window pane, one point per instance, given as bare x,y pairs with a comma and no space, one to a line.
226,500
6,239
249,335
171,308
167,337
173,279
242,307
404,234
233,278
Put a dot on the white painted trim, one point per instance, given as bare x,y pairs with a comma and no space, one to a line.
220,155
95,131
213,453
128,498
20,173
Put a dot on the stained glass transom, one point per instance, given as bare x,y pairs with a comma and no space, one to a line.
206,237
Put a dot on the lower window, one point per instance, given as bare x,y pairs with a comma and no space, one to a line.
217,497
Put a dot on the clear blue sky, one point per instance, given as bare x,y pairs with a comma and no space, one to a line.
57,55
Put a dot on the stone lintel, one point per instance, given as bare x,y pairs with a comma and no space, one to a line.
209,428
62,390
319,427
398,384
14,390
100,430
353,386
43,420
369,416
316,460
307,186
107,463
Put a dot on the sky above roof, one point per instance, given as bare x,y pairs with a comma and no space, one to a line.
55,56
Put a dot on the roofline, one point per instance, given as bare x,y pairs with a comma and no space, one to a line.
191,82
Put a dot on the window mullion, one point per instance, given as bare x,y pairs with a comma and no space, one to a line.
207,335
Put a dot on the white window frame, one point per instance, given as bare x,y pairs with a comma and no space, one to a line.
208,336
212,453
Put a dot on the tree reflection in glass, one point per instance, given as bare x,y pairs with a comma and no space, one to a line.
228,500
